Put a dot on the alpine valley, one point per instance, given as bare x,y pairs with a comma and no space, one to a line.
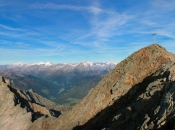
62,83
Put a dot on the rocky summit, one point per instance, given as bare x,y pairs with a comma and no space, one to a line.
138,94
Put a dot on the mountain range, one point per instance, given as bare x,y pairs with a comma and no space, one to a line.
57,82
138,94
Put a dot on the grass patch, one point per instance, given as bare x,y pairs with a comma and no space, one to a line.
45,91
72,101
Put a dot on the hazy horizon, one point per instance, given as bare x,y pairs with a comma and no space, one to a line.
41,62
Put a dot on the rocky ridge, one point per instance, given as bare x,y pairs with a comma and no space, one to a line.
19,109
137,94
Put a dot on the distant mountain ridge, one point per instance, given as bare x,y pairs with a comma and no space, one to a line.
38,63
49,63
45,69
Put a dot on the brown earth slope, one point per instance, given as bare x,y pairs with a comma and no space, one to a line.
137,94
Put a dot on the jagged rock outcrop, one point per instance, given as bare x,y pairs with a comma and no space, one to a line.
19,109
137,94
54,109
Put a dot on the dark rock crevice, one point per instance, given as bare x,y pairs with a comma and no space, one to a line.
24,104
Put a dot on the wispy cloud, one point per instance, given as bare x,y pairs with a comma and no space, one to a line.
11,44
54,6
9,28
95,10
166,33
164,5
105,27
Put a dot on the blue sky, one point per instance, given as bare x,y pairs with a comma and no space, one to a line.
82,30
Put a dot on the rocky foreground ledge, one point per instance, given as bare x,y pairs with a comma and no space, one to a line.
19,109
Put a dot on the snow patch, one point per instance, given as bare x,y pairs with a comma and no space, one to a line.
42,63
18,64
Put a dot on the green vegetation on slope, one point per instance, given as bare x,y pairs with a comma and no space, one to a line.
80,89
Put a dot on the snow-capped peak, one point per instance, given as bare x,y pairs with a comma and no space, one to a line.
42,63
48,63
111,63
84,63
18,63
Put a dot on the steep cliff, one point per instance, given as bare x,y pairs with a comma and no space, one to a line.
137,94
